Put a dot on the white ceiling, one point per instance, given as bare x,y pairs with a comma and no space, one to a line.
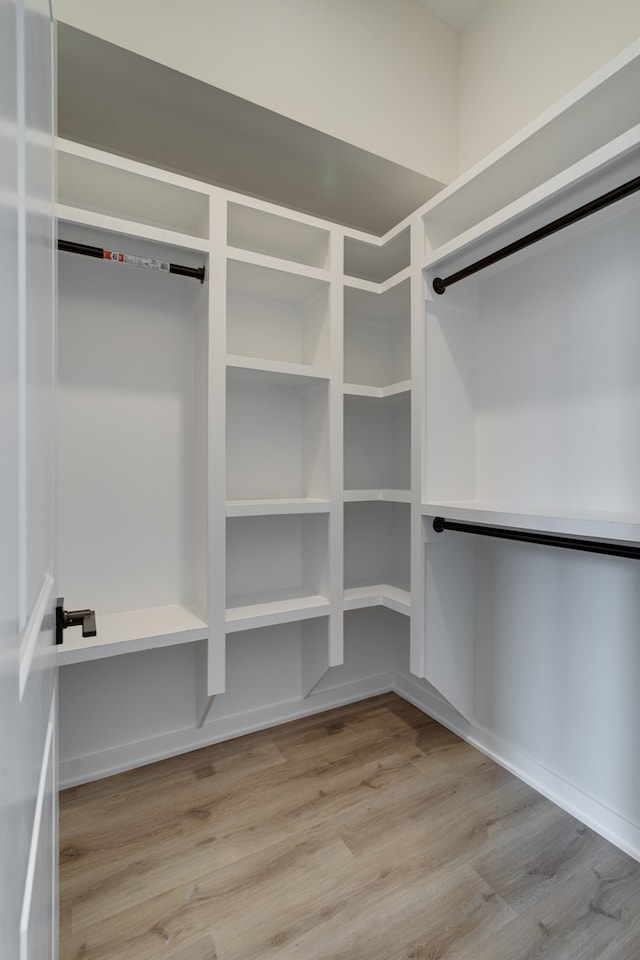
457,13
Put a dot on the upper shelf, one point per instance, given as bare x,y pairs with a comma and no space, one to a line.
598,111
89,179
287,238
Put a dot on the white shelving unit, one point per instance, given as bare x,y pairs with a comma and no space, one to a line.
271,448
377,422
281,557
132,399
531,376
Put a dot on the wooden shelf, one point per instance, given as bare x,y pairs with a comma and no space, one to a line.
130,631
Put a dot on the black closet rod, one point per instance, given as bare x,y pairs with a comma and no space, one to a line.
440,284
546,539
86,250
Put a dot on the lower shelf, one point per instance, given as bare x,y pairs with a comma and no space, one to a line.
132,630
390,594
248,611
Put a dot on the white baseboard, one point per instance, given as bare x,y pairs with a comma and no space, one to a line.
604,821
127,756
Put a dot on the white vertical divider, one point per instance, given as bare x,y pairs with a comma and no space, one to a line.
418,444
321,644
336,448
210,669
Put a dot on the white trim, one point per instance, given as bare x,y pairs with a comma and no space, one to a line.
114,760
25,914
29,639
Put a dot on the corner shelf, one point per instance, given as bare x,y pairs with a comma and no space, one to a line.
376,260
377,336
377,537
377,442
387,496
394,596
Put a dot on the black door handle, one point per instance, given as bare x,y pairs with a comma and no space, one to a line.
74,618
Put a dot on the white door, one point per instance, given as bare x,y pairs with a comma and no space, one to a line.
28,807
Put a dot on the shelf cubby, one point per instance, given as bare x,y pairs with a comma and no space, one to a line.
377,555
277,436
276,315
132,448
268,233
377,262
89,181
377,336
532,399
276,570
377,443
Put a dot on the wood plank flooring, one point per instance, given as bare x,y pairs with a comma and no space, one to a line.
366,832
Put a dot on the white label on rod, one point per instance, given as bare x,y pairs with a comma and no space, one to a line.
145,262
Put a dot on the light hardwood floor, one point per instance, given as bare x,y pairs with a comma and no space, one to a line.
367,832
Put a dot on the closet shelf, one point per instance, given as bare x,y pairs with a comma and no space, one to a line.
386,594
132,630
295,275
386,494
556,197
130,228
274,371
281,505
595,524
371,286
251,227
377,393
249,611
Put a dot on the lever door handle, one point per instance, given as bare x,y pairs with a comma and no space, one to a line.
74,618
